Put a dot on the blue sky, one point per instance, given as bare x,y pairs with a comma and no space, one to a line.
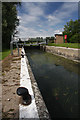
43,19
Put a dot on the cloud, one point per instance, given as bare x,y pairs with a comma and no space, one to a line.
51,18
34,9
28,18
65,12
32,12
35,22
59,31
28,32
60,16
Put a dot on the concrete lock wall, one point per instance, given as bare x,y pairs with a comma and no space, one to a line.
70,53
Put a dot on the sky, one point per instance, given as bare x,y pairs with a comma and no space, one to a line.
44,19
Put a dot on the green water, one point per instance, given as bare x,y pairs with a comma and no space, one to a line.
58,80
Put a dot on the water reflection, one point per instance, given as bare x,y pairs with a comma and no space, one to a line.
57,79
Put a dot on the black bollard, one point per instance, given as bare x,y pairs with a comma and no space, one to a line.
22,54
26,97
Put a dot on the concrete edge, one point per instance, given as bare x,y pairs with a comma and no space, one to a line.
62,55
65,48
27,111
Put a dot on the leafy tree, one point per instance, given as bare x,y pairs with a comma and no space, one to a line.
9,21
72,29
50,39
75,38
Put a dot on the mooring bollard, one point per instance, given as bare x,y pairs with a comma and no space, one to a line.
26,97
22,54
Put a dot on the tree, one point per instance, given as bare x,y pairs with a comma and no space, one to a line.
72,29
9,21
50,39
75,38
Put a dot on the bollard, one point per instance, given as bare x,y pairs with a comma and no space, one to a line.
26,97
22,54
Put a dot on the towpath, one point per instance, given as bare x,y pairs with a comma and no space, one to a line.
10,82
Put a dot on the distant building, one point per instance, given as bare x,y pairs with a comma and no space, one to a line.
58,38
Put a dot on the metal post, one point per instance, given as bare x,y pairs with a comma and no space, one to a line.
11,47
46,41
17,48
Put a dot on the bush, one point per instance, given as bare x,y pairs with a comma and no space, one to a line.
75,38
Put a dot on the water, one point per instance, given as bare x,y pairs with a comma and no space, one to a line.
58,80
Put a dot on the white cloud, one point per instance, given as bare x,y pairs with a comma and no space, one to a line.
51,18
19,17
59,31
32,13
62,13
34,9
31,24
26,32
66,10
28,18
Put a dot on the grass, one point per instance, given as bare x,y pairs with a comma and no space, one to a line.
0,55
70,45
4,54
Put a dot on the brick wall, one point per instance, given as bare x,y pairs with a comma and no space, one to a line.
59,39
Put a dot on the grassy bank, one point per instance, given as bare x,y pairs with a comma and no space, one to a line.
4,54
0,55
70,45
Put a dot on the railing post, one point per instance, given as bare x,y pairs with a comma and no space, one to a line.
18,50
11,48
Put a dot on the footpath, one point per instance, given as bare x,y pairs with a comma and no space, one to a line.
10,82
